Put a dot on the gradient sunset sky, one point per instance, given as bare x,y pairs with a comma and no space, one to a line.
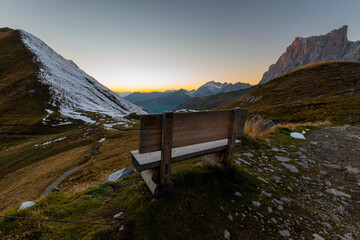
166,44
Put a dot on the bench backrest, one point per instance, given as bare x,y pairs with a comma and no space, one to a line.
188,128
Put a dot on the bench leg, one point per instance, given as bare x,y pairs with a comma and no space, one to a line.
151,178
215,159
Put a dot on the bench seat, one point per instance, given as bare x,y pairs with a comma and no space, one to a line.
152,160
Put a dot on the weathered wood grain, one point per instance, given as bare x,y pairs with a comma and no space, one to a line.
189,128
166,146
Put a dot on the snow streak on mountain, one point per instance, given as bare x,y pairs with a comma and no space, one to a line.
72,90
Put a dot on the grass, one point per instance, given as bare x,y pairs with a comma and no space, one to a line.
317,92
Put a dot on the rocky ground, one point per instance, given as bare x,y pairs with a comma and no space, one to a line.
311,187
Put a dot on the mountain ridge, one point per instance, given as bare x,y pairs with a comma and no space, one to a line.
333,46
41,88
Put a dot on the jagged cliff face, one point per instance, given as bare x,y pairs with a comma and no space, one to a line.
333,46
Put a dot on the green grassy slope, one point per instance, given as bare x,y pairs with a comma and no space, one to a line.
316,92
23,98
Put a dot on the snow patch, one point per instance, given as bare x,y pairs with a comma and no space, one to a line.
46,143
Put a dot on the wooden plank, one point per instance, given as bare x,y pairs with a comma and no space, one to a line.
189,129
150,133
235,121
151,160
166,146
243,115
198,127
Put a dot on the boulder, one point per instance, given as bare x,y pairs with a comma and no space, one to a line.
26,204
120,174
260,125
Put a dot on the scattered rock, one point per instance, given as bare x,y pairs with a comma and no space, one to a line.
255,203
260,124
337,193
248,154
118,215
290,167
282,159
284,233
348,236
230,217
317,237
226,234
120,174
297,135
26,204
286,200
238,194
270,210
121,228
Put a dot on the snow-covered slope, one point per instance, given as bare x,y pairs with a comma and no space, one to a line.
72,90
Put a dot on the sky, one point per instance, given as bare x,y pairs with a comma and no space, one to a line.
167,44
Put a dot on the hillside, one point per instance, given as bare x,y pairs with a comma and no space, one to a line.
333,46
213,101
280,187
23,98
40,89
316,92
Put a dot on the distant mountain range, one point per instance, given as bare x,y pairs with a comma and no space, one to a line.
333,46
157,102
40,87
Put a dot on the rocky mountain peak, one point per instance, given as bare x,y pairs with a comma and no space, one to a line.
333,46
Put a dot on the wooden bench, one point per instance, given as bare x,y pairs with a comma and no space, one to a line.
171,137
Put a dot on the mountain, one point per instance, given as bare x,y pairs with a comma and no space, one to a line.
157,102
212,87
333,46
40,87
315,92
213,101
136,97
166,103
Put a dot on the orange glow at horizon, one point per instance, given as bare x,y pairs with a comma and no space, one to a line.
173,87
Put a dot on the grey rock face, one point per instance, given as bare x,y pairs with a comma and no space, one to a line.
333,46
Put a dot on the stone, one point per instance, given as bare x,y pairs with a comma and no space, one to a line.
270,210
248,154
284,233
230,217
348,236
282,159
26,204
255,203
120,174
238,194
274,220
226,234
317,237
260,124
121,228
286,200
297,135
290,167
118,215
337,193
